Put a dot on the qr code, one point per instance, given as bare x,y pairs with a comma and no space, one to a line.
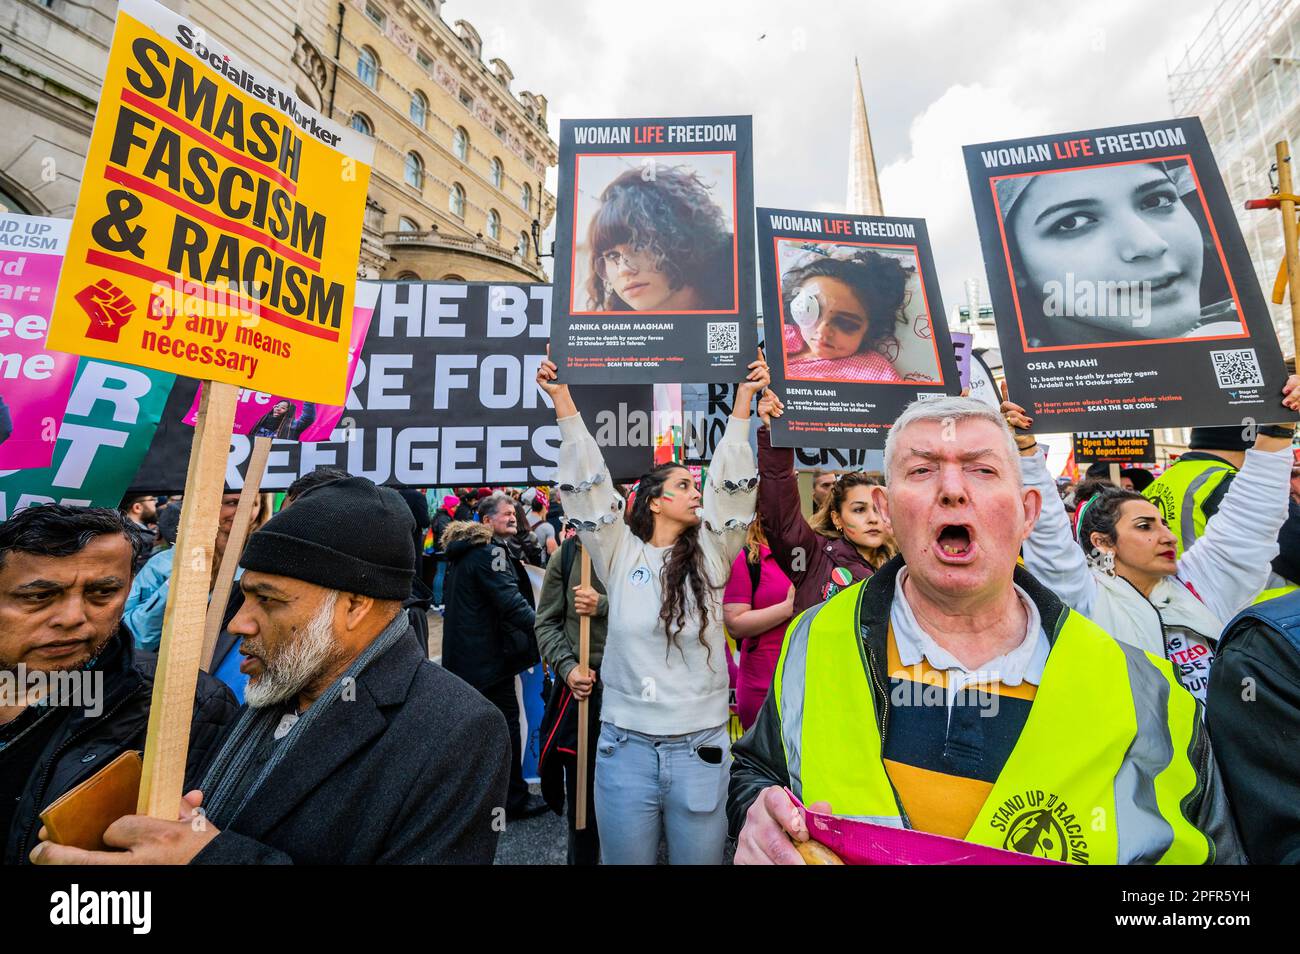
724,337
1237,369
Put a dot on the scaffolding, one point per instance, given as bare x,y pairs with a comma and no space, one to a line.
1241,76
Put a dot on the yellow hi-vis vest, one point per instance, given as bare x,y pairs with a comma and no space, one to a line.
1274,593
1180,493
1098,775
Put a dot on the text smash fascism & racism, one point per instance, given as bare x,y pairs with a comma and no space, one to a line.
278,265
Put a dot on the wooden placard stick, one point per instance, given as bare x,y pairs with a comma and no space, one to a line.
1284,188
249,497
1114,474
167,740
584,655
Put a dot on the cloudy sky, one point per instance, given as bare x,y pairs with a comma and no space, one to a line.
936,75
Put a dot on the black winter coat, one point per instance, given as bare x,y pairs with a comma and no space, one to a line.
1252,709
413,770
441,520
487,632
82,745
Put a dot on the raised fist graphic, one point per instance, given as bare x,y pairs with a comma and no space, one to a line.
108,309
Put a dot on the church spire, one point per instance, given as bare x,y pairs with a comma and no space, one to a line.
863,187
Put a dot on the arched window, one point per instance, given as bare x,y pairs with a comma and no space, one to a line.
368,67
498,173
494,225
363,125
408,277
526,197
414,170
407,225
419,108
456,200
9,203
522,247
460,144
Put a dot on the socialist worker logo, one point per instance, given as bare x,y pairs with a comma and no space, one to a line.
108,309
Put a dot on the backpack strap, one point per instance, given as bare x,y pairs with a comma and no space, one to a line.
568,554
755,572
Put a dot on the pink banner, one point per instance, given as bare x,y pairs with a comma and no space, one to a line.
34,383
268,415
863,843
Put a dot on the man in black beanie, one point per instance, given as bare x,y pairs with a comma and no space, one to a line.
352,748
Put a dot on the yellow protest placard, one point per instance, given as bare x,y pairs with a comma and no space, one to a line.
218,226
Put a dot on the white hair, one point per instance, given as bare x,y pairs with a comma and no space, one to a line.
296,665
950,409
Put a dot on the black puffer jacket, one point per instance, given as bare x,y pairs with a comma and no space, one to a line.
82,744
1253,711
487,633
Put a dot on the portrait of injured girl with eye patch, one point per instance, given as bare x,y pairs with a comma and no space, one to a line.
854,314
853,303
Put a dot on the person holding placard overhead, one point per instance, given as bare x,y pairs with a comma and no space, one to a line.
1124,571
661,759
845,541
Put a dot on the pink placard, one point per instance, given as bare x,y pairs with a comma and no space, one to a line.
268,415
34,383
863,843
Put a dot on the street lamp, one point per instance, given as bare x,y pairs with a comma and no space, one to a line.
537,229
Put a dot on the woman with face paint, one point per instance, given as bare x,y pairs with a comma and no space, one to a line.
846,540
841,315
663,752
1113,254
660,244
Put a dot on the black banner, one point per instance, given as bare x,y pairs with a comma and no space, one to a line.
705,409
654,250
1122,289
1115,447
853,302
444,395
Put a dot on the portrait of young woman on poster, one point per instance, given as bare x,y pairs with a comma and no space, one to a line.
660,243
1114,254
843,309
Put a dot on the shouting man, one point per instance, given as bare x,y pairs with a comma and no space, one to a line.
906,700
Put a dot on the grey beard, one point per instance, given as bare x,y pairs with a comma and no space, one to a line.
294,667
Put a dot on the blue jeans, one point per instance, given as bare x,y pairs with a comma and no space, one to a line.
646,784
439,575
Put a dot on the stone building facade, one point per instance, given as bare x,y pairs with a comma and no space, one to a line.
457,188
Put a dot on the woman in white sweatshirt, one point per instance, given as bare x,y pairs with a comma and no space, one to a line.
663,753
1123,571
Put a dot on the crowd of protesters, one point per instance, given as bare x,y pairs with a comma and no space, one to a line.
1126,618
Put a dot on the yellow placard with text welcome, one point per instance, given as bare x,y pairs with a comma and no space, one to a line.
218,226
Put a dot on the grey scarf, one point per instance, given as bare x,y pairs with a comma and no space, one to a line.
255,726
